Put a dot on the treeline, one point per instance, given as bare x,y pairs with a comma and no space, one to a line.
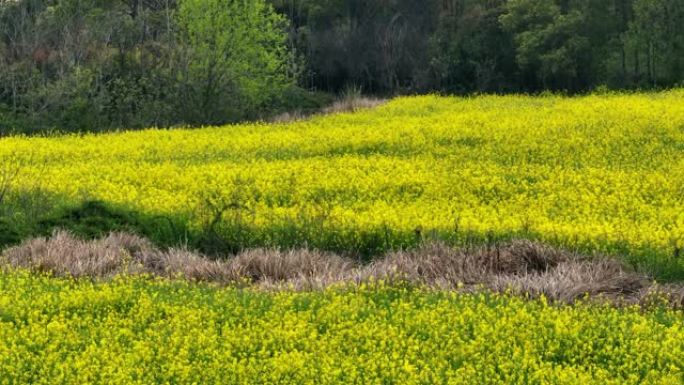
98,64
80,65
462,46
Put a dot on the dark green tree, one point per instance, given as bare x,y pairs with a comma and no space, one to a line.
470,50
551,47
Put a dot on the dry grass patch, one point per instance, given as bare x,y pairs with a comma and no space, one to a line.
345,104
520,267
353,104
64,255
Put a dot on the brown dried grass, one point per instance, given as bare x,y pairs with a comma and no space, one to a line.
64,255
519,267
347,104
353,104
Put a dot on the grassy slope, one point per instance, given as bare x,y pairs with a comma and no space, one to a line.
599,173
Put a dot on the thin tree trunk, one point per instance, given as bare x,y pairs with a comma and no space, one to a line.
649,70
637,66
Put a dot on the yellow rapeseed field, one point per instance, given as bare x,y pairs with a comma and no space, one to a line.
142,331
600,173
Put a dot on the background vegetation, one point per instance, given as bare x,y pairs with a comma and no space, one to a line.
487,46
96,65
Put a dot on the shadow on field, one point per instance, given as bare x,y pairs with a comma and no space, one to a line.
229,231
516,267
89,220
94,219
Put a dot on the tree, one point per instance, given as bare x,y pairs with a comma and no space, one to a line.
470,50
83,65
551,48
233,57
381,46
656,39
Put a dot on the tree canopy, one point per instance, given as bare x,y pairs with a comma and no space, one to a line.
462,46
84,65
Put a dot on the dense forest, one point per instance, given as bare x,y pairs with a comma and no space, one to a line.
463,46
83,65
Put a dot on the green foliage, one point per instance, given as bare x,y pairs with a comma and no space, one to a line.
94,65
656,38
234,56
470,51
467,46
297,99
75,65
549,43
10,234
380,46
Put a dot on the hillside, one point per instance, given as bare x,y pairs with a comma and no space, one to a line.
602,173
